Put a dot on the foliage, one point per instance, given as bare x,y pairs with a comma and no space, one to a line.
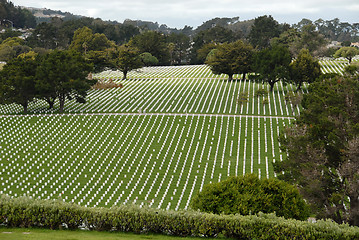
352,69
309,39
49,36
154,43
322,148
263,30
12,47
203,52
242,98
295,98
261,92
231,58
347,52
63,75
178,45
272,65
129,59
304,69
333,29
215,35
17,81
148,60
250,195
84,41
305,38
27,212
15,16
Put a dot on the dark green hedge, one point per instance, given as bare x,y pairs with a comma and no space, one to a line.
53,214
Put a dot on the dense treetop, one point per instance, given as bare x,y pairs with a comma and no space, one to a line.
12,16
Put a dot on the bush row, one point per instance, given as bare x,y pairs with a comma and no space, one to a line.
54,214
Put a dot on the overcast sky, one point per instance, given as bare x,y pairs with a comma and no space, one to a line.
178,13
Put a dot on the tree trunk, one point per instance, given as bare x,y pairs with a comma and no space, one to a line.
354,211
62,103
271,83
124,75
25,107
230,77
244,77
50,102
299,86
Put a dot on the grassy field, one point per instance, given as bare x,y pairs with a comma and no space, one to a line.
45,234
161,161
190,131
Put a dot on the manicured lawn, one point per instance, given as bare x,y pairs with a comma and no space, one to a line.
194,132
45,234
155,160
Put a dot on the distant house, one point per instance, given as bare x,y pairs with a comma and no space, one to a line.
355,44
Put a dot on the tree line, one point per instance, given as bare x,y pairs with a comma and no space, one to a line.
266,53
185,46
17,17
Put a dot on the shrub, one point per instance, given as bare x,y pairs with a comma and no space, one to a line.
251,195
261,92
242,98
54,214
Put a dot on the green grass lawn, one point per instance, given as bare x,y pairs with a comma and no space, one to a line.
45,234
106,160
155,160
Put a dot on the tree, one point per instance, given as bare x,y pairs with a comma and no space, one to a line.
231,58
148,60
322,147
304,69
154,43
263,30
309,39
352,69
63,75
84,41
214,35
129,59
181,44
11,48
203,52
303,37
347,52
16,16
49,36
249,195
17,81
272,65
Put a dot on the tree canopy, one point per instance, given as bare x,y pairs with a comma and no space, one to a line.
129,59
63,75
154,43
322,147
347,52
304,69
231,58
272,65
17,81
263,30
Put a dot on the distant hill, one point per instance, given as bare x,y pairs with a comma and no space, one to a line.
45,15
